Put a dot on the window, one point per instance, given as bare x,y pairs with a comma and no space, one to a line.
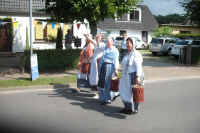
135,15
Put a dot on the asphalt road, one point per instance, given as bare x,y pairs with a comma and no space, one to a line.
171,106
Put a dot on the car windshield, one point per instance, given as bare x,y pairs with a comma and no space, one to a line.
181,42
158,41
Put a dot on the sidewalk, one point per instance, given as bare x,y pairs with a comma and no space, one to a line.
152,73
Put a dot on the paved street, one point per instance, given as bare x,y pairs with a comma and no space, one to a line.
171,106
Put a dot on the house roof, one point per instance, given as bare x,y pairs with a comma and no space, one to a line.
148,22
21,7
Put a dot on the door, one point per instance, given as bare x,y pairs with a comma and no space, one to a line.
145,36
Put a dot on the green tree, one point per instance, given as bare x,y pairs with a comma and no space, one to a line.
59,39
92,10
192,8
171,18
162,31
27,40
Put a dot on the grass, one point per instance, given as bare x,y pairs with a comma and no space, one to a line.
158,58
145,52
40,81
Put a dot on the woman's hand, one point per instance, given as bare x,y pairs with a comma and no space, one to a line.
116,73
138,81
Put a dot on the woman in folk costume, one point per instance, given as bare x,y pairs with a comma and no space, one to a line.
109,64
132,73
85,56
98,52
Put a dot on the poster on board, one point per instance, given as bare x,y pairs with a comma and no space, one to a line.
34,67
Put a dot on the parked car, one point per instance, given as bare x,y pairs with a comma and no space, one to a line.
166,48
156,44
176,49
118,41
195,43
139,44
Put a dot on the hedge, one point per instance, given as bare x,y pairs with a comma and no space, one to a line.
56,59
187,36
195,55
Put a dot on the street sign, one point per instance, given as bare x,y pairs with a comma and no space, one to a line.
34,67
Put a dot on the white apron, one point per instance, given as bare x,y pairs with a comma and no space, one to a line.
94,76
125,84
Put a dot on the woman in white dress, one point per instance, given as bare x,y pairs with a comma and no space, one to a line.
132,73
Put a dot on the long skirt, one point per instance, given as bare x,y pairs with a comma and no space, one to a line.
105,76
126,92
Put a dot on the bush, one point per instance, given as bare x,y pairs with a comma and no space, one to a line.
55,59
195,55
183,36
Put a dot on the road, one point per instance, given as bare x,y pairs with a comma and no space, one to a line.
171,106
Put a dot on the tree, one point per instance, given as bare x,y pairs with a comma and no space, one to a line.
162,31
192,8
59,39
92,10
27,40
171,18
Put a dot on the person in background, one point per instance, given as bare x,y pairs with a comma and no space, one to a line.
68,39
124,49
132,73
85,56
109,64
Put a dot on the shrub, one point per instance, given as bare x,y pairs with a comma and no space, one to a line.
55,59
195,55
187,36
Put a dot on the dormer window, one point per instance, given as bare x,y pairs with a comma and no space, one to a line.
133,16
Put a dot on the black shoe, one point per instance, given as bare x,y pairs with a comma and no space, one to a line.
129,112
135,111
105,103
115,97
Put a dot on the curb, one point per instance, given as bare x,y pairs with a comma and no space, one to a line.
53,87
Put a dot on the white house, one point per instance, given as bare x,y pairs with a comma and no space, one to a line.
139,23
42,30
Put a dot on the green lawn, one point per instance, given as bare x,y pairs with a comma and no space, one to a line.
40,81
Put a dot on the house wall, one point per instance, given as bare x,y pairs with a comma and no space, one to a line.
193,30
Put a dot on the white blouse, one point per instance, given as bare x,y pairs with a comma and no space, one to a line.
132,62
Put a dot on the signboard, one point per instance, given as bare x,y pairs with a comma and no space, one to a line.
34,67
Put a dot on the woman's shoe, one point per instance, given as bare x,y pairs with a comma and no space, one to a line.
129,112
135,111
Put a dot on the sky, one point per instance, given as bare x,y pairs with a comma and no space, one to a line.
164,7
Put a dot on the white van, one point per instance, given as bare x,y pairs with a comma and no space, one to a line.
156,44
139,44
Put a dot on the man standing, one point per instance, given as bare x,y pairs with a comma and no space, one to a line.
124,49
68,39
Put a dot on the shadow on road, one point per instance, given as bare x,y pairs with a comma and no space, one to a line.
85,100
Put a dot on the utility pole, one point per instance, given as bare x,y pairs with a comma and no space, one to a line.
33,57
30,21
